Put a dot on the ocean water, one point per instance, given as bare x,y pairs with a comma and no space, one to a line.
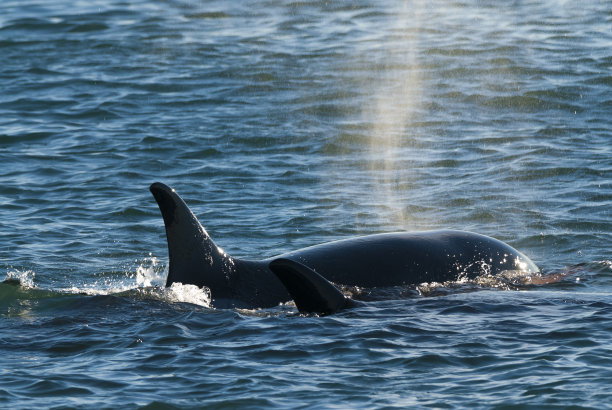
285,124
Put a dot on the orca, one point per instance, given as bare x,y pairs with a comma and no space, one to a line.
379,260
310,292
313,294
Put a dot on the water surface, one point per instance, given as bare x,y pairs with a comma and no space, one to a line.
283,125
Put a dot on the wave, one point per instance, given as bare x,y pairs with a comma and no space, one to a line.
20,296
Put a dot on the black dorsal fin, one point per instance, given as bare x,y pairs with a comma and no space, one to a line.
311,292
193,256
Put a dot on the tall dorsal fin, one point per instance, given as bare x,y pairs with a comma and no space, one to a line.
311,292
194,258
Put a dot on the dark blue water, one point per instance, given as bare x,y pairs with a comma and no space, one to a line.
283,125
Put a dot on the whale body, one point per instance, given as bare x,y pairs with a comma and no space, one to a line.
380,260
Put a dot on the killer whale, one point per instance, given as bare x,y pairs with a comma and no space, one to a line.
311,292
380,260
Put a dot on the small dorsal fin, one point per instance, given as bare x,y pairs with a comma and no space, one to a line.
311,292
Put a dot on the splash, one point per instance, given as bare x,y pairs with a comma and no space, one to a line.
177,292
146,281
25,278
147,273
517,279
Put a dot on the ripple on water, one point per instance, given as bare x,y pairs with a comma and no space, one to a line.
284,125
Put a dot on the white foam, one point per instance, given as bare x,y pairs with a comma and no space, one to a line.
25,278
148,274
177,292
148,279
